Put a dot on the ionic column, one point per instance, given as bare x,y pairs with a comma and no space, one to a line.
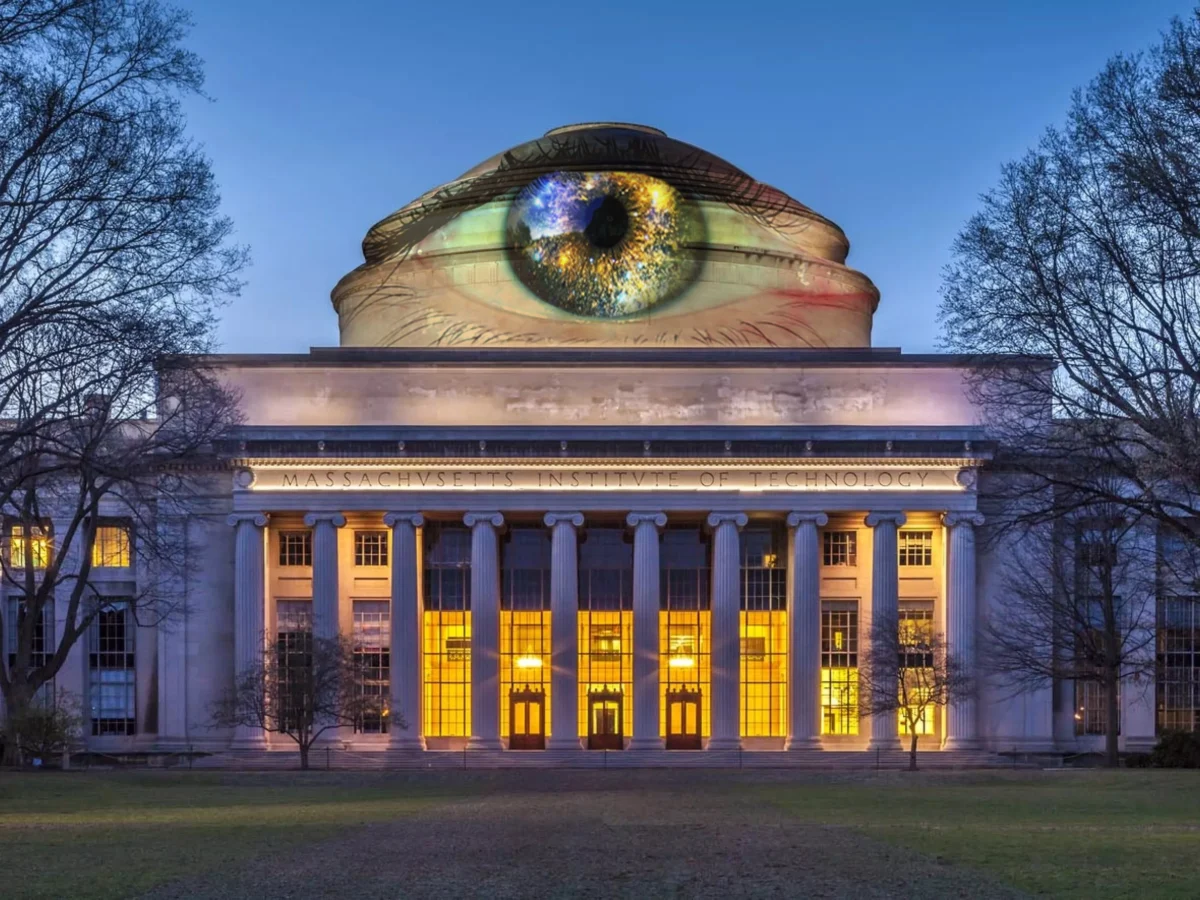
325,587
485,630
804,633
726,630
961,728
326,592
405,671
646,579
564,632
249,612
172,632
885,607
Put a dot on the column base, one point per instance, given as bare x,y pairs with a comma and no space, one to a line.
404,741
564,743
960,743
723,744
885,744
803,744
645,743
481,743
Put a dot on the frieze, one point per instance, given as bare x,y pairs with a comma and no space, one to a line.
522,476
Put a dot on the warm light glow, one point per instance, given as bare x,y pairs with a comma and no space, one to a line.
39,543
524,665
686,660
763,675
446,709
110,549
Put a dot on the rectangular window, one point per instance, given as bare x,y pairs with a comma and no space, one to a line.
839,668
839,548
295,548
525,631
764,637
37,544
111,548
605,627
446,659
916,631
1091,710
916,548
685,622
370,548
42,645
293,645
372,652
112,669
1177,664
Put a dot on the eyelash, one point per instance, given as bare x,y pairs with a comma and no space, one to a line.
733,187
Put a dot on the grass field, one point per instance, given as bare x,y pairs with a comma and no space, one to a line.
1062,834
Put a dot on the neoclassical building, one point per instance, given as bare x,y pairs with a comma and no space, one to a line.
605,462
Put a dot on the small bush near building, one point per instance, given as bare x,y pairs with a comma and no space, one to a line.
1177,750
1137,760
45,732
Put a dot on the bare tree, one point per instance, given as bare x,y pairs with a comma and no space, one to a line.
1079,611
113,257
1086,255
303,687
908,672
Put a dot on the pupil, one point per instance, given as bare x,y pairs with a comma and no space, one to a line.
608,225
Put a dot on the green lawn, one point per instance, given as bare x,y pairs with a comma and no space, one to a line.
1085,834
115,835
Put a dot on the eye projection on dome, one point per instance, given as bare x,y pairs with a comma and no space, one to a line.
604,244
605,235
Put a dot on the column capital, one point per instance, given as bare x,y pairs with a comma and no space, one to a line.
258,520
894,516
731,518
495,519
817,518
392,519
951,519
565,518
657,519
336,519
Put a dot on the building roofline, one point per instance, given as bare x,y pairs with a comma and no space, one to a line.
616,357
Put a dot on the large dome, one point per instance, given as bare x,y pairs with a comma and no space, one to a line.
605,235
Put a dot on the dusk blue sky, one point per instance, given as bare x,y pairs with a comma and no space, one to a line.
889,118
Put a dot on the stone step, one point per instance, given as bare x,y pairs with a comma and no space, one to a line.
827,760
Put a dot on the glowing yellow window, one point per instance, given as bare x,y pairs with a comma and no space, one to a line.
923,717
447,682
38,544
764,673
111,547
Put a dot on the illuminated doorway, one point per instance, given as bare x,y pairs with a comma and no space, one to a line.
606,720
683,719
527,719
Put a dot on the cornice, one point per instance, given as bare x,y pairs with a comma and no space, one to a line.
656,462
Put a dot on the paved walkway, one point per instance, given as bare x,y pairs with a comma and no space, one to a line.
587,834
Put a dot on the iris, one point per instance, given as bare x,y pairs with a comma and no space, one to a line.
604,244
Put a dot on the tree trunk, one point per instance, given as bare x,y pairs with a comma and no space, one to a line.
912,752
1112,729
16,706
304,757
